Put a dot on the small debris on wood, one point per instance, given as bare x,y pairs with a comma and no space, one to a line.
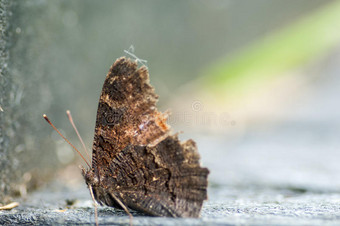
9,206
60,211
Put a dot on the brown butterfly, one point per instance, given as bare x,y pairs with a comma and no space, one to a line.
136,162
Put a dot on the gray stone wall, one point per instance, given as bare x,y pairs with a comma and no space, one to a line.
26,152
5,90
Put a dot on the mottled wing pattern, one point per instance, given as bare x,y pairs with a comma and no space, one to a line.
135,158
126,112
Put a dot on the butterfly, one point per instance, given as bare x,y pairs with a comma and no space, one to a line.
136,162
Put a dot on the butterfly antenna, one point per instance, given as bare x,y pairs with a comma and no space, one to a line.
49,122
75,128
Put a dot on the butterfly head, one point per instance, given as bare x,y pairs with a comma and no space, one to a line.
90,177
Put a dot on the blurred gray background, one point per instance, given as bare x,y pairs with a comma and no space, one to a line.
178,39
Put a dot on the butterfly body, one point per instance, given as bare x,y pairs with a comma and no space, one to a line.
135,159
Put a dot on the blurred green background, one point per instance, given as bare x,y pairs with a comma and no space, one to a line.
227,44
223,67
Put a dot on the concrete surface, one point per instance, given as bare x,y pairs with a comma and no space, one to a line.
249,205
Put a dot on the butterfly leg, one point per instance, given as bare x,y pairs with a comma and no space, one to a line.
95,206
123,206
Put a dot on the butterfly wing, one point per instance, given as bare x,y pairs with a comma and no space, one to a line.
165,180
134,157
